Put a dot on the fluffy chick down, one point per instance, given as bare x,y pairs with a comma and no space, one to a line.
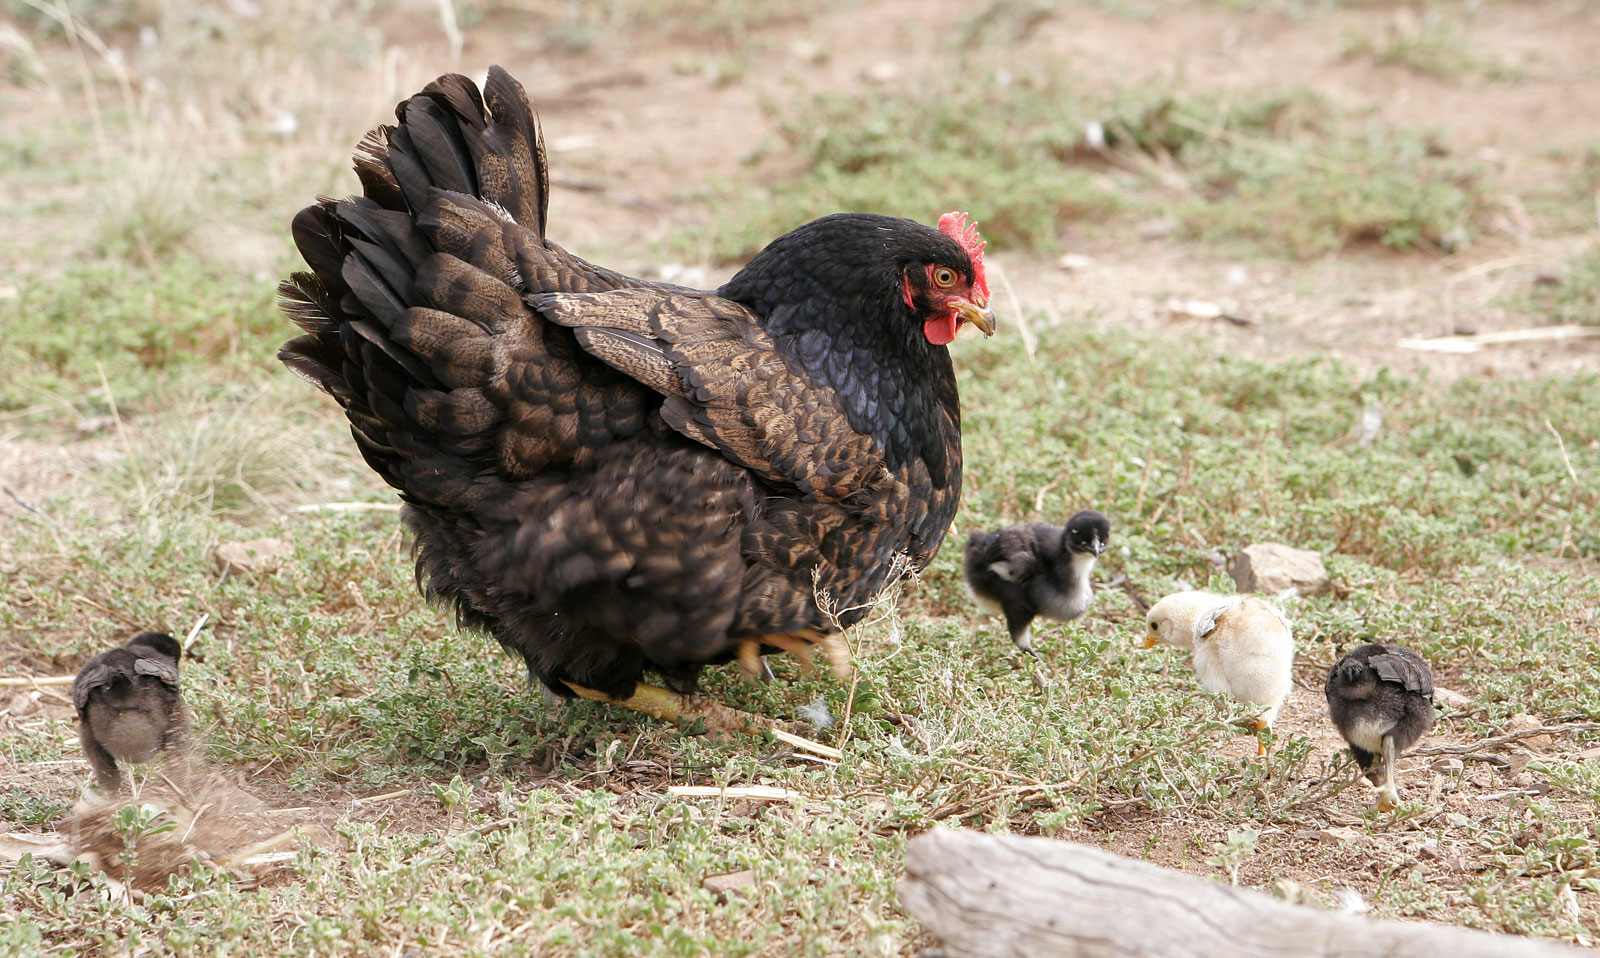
1243,646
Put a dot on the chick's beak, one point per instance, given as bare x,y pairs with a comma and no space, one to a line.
1149,640
977,313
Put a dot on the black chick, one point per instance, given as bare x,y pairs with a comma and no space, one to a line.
129,708
1036,569
1381,700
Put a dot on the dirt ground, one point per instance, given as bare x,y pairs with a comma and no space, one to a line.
643,128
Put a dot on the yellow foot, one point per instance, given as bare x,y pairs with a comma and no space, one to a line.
669,706
800,645
1258,726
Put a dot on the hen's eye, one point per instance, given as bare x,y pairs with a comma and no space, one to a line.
944,276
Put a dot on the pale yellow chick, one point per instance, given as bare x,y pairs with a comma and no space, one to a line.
1242,645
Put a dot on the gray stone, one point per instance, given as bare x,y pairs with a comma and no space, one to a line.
721,885
254,555
1271,568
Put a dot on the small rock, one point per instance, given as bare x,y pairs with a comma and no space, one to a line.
254,555
1074,262
1452,700
1547,277
24,703
721,885
1094,135
1350,901
1158,229
809,51
281,123
1271,568
881,72
1589,754
1193,309
1523,722
683,275
1515,763
1429,851
1342,833
1448,766
95,424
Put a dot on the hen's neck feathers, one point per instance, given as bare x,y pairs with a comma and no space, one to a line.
829,295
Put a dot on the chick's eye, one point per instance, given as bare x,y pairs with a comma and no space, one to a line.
944,276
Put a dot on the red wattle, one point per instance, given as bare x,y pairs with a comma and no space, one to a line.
940,330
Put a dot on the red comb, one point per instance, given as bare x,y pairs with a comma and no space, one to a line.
954,225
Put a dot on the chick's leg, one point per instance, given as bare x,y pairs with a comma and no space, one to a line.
1020,625
1259,725
107,777
177,756
1388,795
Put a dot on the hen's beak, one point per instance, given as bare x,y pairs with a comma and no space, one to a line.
1149,640
979,316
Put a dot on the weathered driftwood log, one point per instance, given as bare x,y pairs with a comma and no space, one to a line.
1004,895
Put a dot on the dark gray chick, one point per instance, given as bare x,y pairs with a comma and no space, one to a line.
129,708
1036,569
1381,700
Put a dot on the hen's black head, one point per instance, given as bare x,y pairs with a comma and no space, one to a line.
897,274
1088,532
866,304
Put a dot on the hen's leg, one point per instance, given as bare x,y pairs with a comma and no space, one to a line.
669,706
800,645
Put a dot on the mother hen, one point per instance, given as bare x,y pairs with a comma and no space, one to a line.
611,475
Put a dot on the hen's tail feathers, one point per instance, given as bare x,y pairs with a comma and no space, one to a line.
415,309
452,138
408,284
